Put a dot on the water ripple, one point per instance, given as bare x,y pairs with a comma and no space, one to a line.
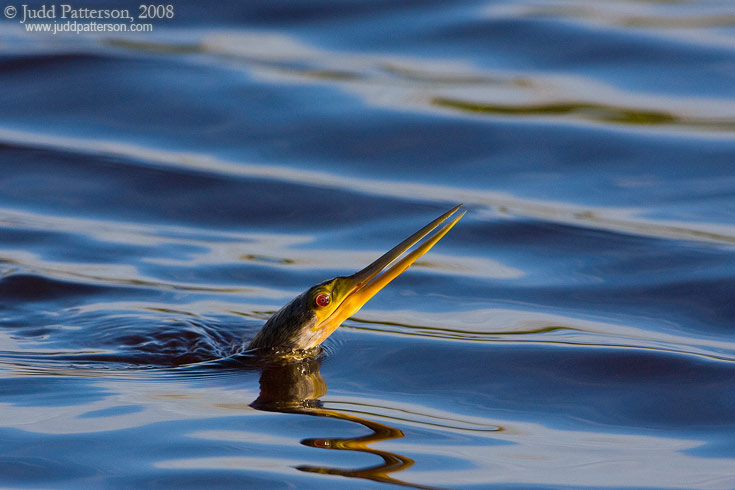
488,203
164,193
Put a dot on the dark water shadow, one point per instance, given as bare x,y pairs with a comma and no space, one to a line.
295,386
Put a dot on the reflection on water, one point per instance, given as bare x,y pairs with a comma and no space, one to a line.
163,193
454,85
295,387
290,385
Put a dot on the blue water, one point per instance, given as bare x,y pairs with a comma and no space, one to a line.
162,193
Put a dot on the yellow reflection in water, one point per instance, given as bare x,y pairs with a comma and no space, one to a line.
586,110
295,387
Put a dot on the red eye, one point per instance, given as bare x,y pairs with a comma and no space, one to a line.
323,300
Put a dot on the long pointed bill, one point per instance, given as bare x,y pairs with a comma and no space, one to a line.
358,288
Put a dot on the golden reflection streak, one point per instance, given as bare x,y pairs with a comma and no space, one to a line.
590,111
295,386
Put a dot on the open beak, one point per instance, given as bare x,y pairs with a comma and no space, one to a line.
358,288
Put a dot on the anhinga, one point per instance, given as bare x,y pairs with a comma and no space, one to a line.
312,316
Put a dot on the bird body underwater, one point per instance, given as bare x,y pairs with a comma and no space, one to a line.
307,320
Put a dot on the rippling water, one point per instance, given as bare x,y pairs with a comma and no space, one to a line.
163,193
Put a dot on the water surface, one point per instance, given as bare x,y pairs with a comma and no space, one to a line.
163,193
